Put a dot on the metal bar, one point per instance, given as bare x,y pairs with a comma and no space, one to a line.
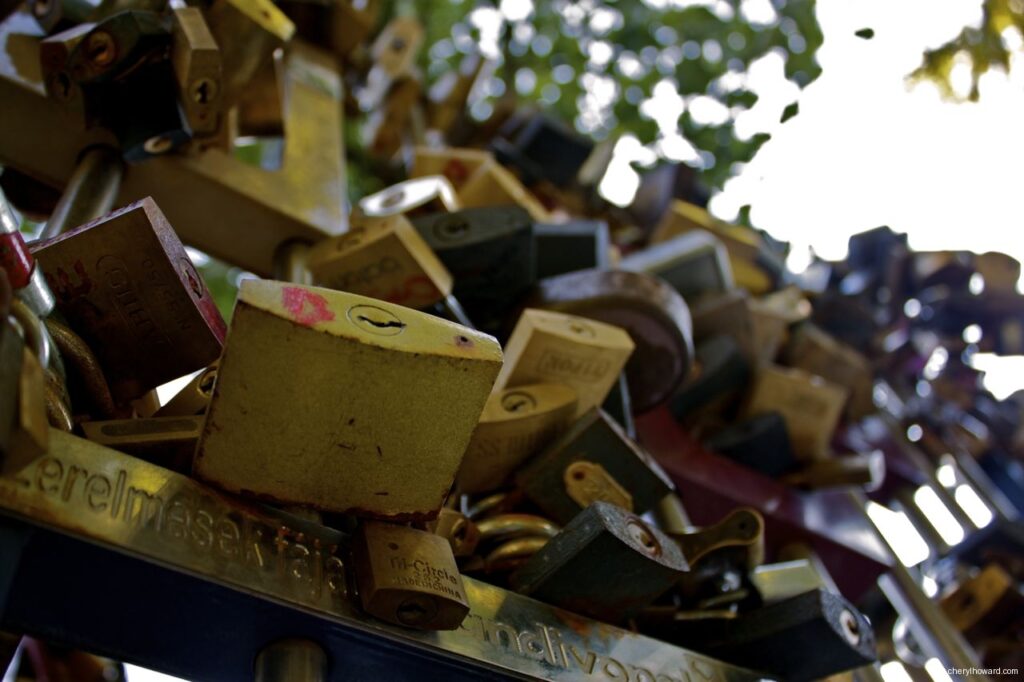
90,192
157,569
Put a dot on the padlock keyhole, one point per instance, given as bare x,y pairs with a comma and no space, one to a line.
382,325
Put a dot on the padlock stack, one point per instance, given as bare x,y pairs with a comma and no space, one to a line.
436,392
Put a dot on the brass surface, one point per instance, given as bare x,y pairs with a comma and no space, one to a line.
304,199
408,577
197,69
515,424
586,355
95,493
810,405
383,258
332,400
589,482
491,184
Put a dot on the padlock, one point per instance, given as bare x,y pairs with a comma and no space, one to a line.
585,355
393,121
419,196
720,557
168,442
197,69
382,258
785,579
448,96
543,149
134,301
454,163
247,33
55,14
810,405
126,285
461,533
491,184
515,424
814,351
489,252
24,428
720,371
365,429
655,315
751,268
260,109
394,50
833,635
594,460
694,263
770,329
193,398
567,247
607,563
863,469
350,23
408,577
760,442
726,313
1000,272
984,603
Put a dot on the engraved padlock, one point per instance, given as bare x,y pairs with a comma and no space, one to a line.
127,286
584,354
408,577
330,400
515,424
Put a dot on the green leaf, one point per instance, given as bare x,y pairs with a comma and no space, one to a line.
790,111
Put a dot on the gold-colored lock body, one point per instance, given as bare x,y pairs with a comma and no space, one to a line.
491,184
454,163
384,258
197,69
814,351
515,424
408,577
584,354
343,403
30,434
810,405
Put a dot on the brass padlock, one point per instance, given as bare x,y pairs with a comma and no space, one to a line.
28,436
515,424
584,354
382,258
814,351
607,563
593,460
197,69
454,163
330,400
390,123
126,285
247,33
694,263
984,602
461,533
491,184
810,405
408,577
655,315
1000,271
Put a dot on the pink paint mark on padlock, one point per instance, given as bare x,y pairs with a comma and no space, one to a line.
306,307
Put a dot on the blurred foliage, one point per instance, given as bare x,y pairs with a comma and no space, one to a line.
593,62
983,46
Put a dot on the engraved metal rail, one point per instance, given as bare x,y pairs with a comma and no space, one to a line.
223,559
